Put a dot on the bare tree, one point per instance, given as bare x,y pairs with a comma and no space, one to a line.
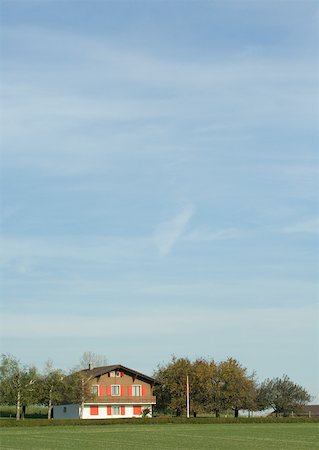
92,359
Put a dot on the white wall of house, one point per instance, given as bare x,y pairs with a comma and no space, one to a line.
73,412
103,413
66,412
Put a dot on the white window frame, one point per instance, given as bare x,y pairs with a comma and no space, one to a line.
117,408
119,390
134,386
96,388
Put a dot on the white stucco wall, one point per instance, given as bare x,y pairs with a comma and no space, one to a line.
103,412
66,412
73,412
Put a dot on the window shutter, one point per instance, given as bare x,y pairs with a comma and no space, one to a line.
108,390
122,390
130,391
122,374
137,410
109,410
143,391
101,391
122,410
94,410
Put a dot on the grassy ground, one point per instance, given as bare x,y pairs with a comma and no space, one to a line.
299,436
32,411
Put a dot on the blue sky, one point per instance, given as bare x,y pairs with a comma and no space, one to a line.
160,182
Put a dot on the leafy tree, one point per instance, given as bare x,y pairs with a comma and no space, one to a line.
213,387
171,393
51,390
282,395
234,389
72,388
17,384
202,385
76,389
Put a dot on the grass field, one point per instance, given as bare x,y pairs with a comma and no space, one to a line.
299,436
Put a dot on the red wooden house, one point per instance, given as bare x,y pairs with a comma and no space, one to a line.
112,392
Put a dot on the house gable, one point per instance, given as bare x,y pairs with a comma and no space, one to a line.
119,384
97,372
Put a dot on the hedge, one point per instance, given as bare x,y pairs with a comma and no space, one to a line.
153,421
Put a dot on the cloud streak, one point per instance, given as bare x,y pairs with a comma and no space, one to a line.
167,233
206,235
303,227
256,320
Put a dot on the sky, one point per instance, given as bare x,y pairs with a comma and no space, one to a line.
159,183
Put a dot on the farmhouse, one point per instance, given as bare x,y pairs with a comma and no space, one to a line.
114,391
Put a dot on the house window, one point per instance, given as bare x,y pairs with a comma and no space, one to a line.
95,389
116,373
94,410
116,410
115,389
136,391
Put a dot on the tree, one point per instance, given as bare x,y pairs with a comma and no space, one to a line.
72,391
213,387
92,359
76,389
51,387
17,384
171,393
282,395
202,385
234,388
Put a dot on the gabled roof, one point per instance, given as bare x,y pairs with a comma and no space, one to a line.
98,371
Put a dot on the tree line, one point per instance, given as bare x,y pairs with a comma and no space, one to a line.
22,385
222,387
213,387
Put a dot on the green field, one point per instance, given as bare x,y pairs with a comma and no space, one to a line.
299,436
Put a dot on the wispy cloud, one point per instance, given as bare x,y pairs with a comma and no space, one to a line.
307,226
133,98
167,233
206,235
18,252
55,325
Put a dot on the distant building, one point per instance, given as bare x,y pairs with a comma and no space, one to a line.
310,411
115,392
